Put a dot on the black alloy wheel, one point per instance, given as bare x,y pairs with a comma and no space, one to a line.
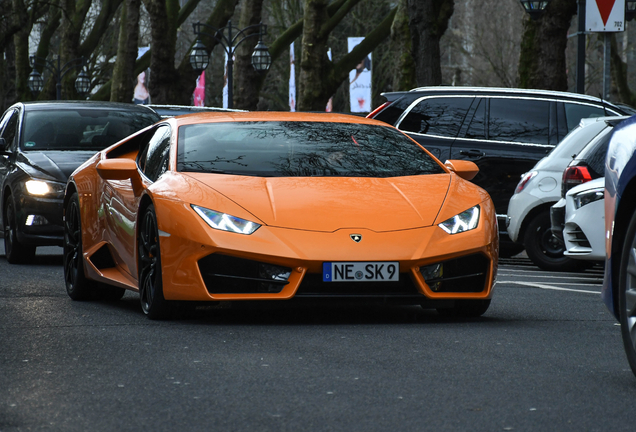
16,252
545,250
77,286
150,281
627,294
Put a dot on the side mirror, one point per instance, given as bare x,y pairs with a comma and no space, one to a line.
120,169
463,168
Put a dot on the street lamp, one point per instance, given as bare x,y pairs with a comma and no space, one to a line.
36,82
230,38
535,8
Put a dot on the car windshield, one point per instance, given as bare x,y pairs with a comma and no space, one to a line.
301,149
80,129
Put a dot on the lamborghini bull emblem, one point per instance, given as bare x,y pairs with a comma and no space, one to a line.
356,237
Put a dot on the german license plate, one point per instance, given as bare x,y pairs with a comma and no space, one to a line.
361,271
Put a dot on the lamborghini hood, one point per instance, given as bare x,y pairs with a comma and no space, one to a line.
331,203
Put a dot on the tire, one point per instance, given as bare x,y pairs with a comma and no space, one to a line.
16,252
77,286
154,305
627,294
545,250
466,309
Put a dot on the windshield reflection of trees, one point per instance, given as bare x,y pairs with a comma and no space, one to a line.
302,149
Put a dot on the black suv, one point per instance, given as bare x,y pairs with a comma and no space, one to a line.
504,131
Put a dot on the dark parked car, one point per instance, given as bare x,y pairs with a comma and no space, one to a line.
619,285
504,131
41,144
167,111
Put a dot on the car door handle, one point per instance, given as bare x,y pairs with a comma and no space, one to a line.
472,153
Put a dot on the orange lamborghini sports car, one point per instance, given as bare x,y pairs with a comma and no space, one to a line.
275,206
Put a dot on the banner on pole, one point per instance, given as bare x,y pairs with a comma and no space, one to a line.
360,81
292,79
198,97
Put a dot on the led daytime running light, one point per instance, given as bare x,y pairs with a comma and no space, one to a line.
226,222
464,221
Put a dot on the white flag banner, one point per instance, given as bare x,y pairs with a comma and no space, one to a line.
292,79
360,81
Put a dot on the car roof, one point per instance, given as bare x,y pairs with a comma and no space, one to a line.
209,117
55,105
448,90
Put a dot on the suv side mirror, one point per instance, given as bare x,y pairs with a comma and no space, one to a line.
463,168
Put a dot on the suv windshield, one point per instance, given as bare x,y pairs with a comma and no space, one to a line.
80,129
307,149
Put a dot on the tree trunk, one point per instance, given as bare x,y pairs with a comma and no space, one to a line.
123,77
404,66
314,63
163,17
246,79
429,21
542,57
619,75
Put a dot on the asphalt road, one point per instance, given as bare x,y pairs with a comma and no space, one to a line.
547,356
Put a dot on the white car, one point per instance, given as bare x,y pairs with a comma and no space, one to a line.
529,208
584,229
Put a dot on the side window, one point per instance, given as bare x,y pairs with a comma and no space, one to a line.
155,158
10,132
477,127
575,112
519,120
437,116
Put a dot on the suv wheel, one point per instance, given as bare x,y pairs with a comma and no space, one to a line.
544,249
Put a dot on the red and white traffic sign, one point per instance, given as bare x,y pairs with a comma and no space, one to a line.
605,15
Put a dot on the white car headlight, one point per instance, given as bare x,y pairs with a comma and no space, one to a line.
41,188
587,197
226,222
465,221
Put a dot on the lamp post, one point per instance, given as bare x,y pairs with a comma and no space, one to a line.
36,82
230,38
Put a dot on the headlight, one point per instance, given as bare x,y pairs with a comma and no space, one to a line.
587,197
226,222
41,188
465,221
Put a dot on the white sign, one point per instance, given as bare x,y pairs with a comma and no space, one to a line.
360,81
605,15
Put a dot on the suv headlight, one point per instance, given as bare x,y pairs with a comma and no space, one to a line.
226,222
587,197
43,188
465,221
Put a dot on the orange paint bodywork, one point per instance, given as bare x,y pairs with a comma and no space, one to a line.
305,220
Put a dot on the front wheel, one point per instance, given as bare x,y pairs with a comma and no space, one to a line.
77,286
16,252
544,249
154,305
627,294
